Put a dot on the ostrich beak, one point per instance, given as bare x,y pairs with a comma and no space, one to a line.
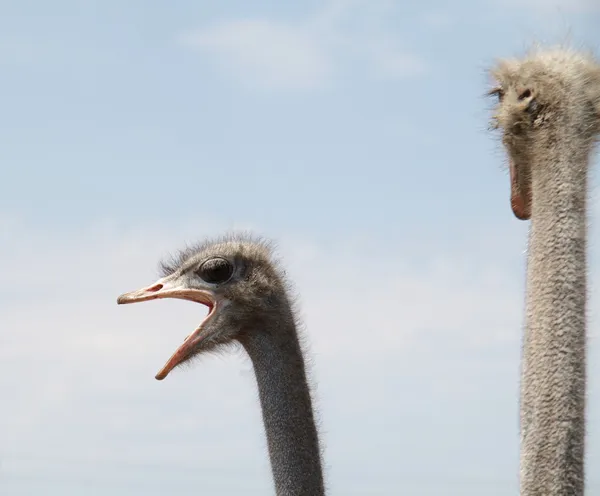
520,193
164,288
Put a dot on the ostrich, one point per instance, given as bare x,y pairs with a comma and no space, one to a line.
246,294
549,113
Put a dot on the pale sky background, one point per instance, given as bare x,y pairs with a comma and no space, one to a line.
352,132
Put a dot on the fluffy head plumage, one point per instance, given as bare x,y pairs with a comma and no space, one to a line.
540,93
548,107
243,287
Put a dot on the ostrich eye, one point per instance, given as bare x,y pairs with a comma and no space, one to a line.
215,270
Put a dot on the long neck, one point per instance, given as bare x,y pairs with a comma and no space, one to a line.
287,410
554,352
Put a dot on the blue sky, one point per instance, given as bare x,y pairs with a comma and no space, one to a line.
353,132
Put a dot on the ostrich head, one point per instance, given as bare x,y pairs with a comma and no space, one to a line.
238,282
545,96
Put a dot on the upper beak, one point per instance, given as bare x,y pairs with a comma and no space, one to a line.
166,288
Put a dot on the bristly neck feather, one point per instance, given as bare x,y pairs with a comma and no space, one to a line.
287,411
554,363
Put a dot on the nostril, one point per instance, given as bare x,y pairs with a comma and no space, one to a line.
156,287
525,94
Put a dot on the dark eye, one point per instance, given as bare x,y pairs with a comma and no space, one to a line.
215,270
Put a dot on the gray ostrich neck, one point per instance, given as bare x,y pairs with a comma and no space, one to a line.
287,409
554,365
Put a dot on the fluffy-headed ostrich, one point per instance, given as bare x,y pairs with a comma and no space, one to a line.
246,294
549,113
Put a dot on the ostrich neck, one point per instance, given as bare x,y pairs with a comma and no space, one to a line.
287,410
554,365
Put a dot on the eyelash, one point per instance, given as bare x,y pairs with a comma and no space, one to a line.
498,92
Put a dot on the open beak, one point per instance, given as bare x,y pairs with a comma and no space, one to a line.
164,288
520,193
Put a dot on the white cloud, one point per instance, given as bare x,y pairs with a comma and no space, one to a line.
566,5
269,53
391,62
21,51
556,7
310,54
395,339
438,18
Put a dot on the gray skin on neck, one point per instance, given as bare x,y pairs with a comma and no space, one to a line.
287,413
250,305
549,112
